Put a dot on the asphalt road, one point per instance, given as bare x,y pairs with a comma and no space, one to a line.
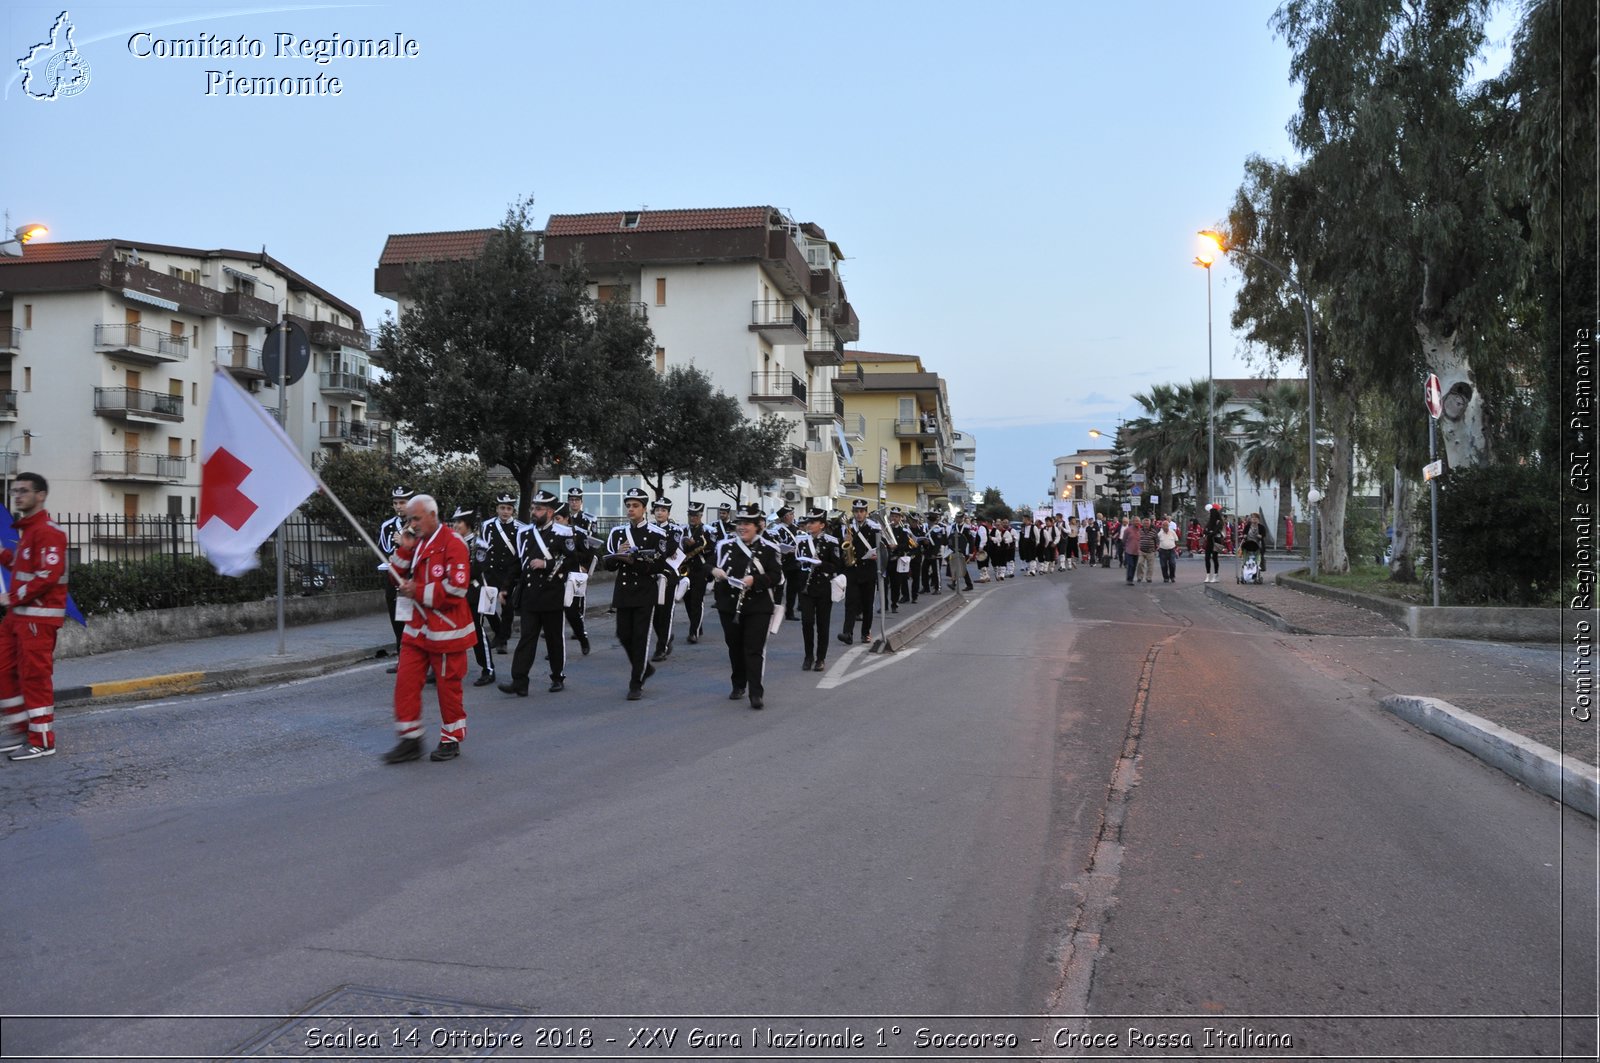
1079,798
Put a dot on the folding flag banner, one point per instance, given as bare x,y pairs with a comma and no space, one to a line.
9,539
251,478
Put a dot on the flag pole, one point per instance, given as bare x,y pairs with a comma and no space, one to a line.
279,554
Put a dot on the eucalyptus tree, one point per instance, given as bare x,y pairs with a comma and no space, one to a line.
1275,441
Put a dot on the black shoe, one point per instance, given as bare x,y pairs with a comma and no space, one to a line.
513,687
583,643
634,693
392,669
805,666
557,685
499,646
821,665
894,609
738,693
649,670
790,617
755,701
408,749
692,639
446,751
483,680
844,638
661,655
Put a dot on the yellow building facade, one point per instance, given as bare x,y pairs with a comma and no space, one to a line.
897,423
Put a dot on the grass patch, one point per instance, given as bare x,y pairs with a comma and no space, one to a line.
1374,580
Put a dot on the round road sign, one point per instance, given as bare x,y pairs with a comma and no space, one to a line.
1433,396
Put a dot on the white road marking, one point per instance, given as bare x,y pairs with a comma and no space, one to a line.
830,681
944,625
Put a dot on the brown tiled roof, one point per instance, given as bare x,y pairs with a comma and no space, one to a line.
1245,389
66,251
879,356
405,248
656,221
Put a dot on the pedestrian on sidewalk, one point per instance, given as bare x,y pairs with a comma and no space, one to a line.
1211,538
36,607
1130,548
433,561
1167,548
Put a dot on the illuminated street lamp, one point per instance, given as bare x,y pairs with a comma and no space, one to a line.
12,248
1204,261
1312,494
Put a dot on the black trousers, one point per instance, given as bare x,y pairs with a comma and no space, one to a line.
390,595
633,631
792,578
662,619
575,618
899,585
547,622
482,652
500,623
860,591
747,649
694,604
930,574
815,614
1213,563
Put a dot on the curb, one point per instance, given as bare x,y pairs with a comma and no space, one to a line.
906,632
1535,765
1255,612
221,679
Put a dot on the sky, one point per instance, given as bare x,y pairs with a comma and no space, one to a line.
1016,187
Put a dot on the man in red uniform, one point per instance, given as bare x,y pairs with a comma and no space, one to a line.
37,604
439,630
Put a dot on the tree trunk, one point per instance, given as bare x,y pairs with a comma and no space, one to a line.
1336,497
1285,505
1401,567
1464,438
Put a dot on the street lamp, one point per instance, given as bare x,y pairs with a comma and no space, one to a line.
1313,496
12,248
1205,261
6,471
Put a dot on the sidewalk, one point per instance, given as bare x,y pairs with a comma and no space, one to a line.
1503,702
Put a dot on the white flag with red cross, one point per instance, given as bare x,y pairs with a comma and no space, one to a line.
251,478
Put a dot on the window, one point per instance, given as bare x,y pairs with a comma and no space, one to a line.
601,498
27,315
27,378
661,291
661,361
1099,470
194,394
908,409
630,220
194,449
604,293
174,505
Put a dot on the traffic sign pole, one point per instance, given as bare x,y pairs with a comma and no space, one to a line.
1434,401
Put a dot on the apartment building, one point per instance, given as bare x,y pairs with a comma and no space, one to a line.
747,295
107,349
964,452
899,417
1082,476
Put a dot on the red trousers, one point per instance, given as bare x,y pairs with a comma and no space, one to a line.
27,678
448,669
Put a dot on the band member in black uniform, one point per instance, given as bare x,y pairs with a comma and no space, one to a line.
749,578
899,558
577,519
464,523
915,540
967,541
662,621
578,576
938,541
700,553
638,551
546,552
388,538
501,567
859,541
783,533
722,527
819,559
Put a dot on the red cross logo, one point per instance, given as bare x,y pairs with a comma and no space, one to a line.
220,496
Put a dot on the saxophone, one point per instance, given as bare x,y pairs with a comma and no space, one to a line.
849,546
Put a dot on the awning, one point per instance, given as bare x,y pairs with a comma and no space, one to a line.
230,271
149,300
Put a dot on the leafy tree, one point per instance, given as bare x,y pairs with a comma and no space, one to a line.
508,358
1191,436
752,452
1275,442
993,506
1119,471
1151,437
364,480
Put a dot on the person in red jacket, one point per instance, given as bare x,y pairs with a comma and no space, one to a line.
36,603
437,573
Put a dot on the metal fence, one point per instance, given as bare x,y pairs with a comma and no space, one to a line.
152,562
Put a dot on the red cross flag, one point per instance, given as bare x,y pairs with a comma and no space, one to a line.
251,478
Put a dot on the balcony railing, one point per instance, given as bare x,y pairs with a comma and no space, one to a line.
331,335
824,347
10,340
138,465
355,433
855,425
242,360
140,343
917,428
780,321
916,474
778,388
138,404
343,384
824,406
242,306
9,460
797,460
852,476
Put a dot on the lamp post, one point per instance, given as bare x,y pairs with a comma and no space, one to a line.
6,471
1205,261
1313,496
12,248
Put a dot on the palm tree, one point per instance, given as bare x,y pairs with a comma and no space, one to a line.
1192,432
1149,437
1275,449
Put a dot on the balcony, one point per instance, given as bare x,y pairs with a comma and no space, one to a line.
340,433
243,361
787,263
778,321
925,428
825,408
778,390
824,347
330,335
850,379
8,405
343,385
10,340
851,476
845,321
135,343
9,460
926,473
241,306
133,404
954,475
138,466
855,425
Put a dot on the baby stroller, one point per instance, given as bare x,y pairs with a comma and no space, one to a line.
1252,567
